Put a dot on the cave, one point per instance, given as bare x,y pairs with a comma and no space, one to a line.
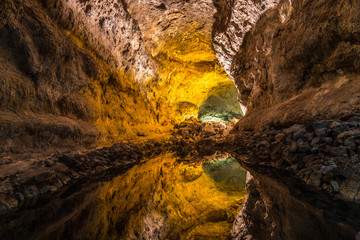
189,119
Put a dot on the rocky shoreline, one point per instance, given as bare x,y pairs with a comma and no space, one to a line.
309,172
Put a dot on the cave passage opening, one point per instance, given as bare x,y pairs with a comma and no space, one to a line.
191,82
222,106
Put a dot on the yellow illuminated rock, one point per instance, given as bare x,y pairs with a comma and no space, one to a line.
121,111
188,74
175,200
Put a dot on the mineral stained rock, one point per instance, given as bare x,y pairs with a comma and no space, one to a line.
300,61
234,19
74,72
300,188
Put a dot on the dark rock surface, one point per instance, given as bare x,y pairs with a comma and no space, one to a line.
299,62
25,179
55,197
302,187
42,72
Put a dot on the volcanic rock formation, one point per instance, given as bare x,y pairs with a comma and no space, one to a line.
76,75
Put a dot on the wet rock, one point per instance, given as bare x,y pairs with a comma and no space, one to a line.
326,169
327,140
339,151
349,134
335,186
349,188
355,159
49,163
315,141
349,116
352,124
299,134
320,132
321,124
337,128
315,179
349,142
304,149
330,160
346,172
309,137
279,137
300,142
314,149
293,147
295,128
355,119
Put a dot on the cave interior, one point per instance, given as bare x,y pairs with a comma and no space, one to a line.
193,119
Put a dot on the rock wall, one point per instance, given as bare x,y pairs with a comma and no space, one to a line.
152,190
110,30
73,74
42,73
160,20
103,70
305,182
298,63
177,34
234,19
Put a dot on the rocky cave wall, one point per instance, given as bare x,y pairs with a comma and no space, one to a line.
75,71
233,20
107,70
300,62
297,64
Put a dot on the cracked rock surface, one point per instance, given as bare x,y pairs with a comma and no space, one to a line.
309,173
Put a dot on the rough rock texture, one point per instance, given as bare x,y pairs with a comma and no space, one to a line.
222,106
110,30
160,20
305,184
24,179
177,34
42,73
66,76
305,181
55,193
78,66
79,196
195,139
299,62
234,18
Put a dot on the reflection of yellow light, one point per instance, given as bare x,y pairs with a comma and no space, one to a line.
186,199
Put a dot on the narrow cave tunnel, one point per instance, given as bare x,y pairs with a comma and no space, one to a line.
223,106
196,119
